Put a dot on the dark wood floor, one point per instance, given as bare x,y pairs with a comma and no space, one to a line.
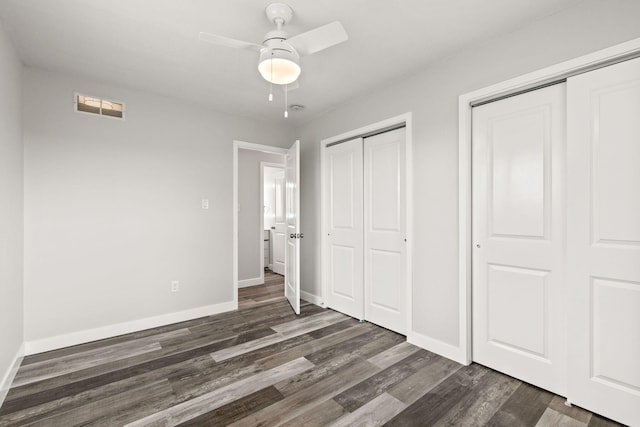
262,365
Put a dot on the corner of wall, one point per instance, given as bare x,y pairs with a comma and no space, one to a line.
7,379
11,214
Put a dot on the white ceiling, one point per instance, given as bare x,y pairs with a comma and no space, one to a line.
153,44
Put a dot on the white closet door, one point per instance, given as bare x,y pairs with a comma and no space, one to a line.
292,249
385,230
344,257
279,234
603,236
519,319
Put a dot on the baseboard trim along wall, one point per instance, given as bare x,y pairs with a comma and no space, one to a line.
439,347
88,335
250,282
313,299
8,376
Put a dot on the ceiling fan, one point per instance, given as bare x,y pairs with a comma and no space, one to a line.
279,61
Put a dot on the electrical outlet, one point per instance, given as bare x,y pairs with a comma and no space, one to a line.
205,203
175,286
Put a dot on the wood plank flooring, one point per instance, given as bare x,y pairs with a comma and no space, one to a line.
264,366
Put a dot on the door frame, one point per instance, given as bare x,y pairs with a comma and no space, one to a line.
264,165
237,145
373,128
601,58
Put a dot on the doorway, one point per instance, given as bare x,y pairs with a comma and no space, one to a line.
248,210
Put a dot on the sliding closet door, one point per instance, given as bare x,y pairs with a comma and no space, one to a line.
603,237
343,216
519,319
385,275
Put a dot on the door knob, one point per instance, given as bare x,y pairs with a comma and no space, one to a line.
293,236
478,245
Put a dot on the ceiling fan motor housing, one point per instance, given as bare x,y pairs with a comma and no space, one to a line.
279,13
274,36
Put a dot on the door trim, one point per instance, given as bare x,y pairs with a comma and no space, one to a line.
237,145
627,50
371,129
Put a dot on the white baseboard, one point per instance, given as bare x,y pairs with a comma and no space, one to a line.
8,376
250,282
313,299
88,335
436,346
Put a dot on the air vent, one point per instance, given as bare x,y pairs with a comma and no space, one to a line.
98,106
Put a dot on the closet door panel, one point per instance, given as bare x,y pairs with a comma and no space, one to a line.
603,236
343,216
519,318
385,230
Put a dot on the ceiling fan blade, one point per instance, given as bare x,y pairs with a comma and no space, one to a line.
228,42
319,39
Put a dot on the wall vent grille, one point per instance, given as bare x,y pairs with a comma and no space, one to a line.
98,106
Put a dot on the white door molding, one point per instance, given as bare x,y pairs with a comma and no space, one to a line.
368,130
237,145
462,353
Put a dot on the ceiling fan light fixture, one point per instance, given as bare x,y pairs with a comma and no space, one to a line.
279,66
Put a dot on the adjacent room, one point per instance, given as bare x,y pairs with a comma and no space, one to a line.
320,213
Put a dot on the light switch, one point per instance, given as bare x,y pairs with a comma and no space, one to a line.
205,203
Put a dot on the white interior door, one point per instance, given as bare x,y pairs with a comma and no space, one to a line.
280,232
385,230
344,219
519,319
292,251
603,237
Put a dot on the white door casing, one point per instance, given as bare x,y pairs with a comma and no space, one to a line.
385,230
280,232
519,319
292,251
344,227
603,237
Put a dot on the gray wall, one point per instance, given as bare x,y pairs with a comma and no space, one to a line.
11,208
251,209
432,97
113,208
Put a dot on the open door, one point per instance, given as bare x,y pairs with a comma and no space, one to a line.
292,251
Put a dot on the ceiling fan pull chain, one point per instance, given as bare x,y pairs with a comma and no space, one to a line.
286,93
271,80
